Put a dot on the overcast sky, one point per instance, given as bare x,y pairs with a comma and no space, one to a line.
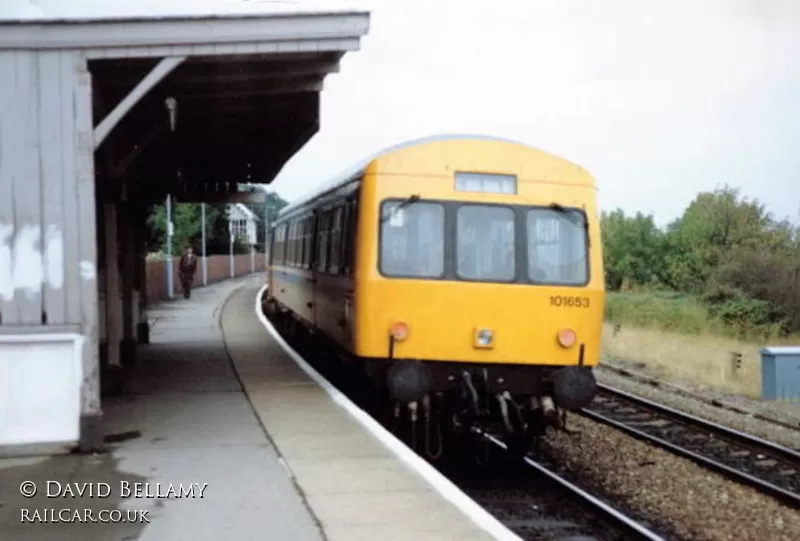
659,100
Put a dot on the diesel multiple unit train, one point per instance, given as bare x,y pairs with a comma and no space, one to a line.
463,275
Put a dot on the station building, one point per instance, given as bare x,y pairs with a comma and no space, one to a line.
102,114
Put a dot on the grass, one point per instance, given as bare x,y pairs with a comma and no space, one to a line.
701,359
676,338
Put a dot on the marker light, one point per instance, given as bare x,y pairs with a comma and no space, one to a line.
484,338
567,338
399,331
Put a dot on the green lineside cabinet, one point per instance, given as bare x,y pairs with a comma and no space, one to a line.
780,373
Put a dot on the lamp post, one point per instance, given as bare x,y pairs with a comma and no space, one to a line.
168,247
230,256
266,234
172,109
203,235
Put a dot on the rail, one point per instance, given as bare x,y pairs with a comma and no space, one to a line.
764,465
614,517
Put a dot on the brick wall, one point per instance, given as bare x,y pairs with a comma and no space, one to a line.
218,270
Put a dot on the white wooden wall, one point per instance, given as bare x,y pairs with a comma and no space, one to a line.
38,191
48,295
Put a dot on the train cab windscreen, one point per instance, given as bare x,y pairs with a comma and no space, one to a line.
412,240
485,242
557,246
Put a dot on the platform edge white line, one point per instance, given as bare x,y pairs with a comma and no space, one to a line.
482,518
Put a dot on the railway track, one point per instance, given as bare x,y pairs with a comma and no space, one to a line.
764,465
534,513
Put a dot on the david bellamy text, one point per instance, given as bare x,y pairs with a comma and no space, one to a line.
126,490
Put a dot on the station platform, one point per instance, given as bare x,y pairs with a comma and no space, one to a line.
219,407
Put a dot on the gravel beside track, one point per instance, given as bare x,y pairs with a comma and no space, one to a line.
769,467
531,507
758,427
696,503
552,481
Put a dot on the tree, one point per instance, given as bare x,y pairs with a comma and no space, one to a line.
632,249
724,249
187,224
714,224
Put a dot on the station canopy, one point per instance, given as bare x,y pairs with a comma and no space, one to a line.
223,91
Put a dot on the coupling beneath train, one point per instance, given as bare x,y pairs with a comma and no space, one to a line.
462,275
514,400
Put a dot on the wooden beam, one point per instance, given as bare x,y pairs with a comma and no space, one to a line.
230,75
155,76
221,93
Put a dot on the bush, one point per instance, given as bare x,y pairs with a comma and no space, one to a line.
744,315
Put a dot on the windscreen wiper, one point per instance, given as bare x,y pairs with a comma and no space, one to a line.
403,204
571,215
574,217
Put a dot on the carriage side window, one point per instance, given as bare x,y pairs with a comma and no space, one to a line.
308,240
322,246
412,239
289,244
282,256
296,242
300,239
299,253
485,243
557,247
336,240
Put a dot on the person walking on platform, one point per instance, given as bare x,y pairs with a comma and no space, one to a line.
187,269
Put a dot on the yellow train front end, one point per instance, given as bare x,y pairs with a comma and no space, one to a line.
480,259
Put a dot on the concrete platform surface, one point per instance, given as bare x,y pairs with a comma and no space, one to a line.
354,485
187,421
253,448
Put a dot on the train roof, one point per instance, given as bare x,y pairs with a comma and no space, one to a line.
356,170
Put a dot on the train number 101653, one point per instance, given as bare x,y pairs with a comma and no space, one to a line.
569,301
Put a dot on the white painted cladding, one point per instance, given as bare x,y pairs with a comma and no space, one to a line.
27,263
39,260
40,388
47,247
